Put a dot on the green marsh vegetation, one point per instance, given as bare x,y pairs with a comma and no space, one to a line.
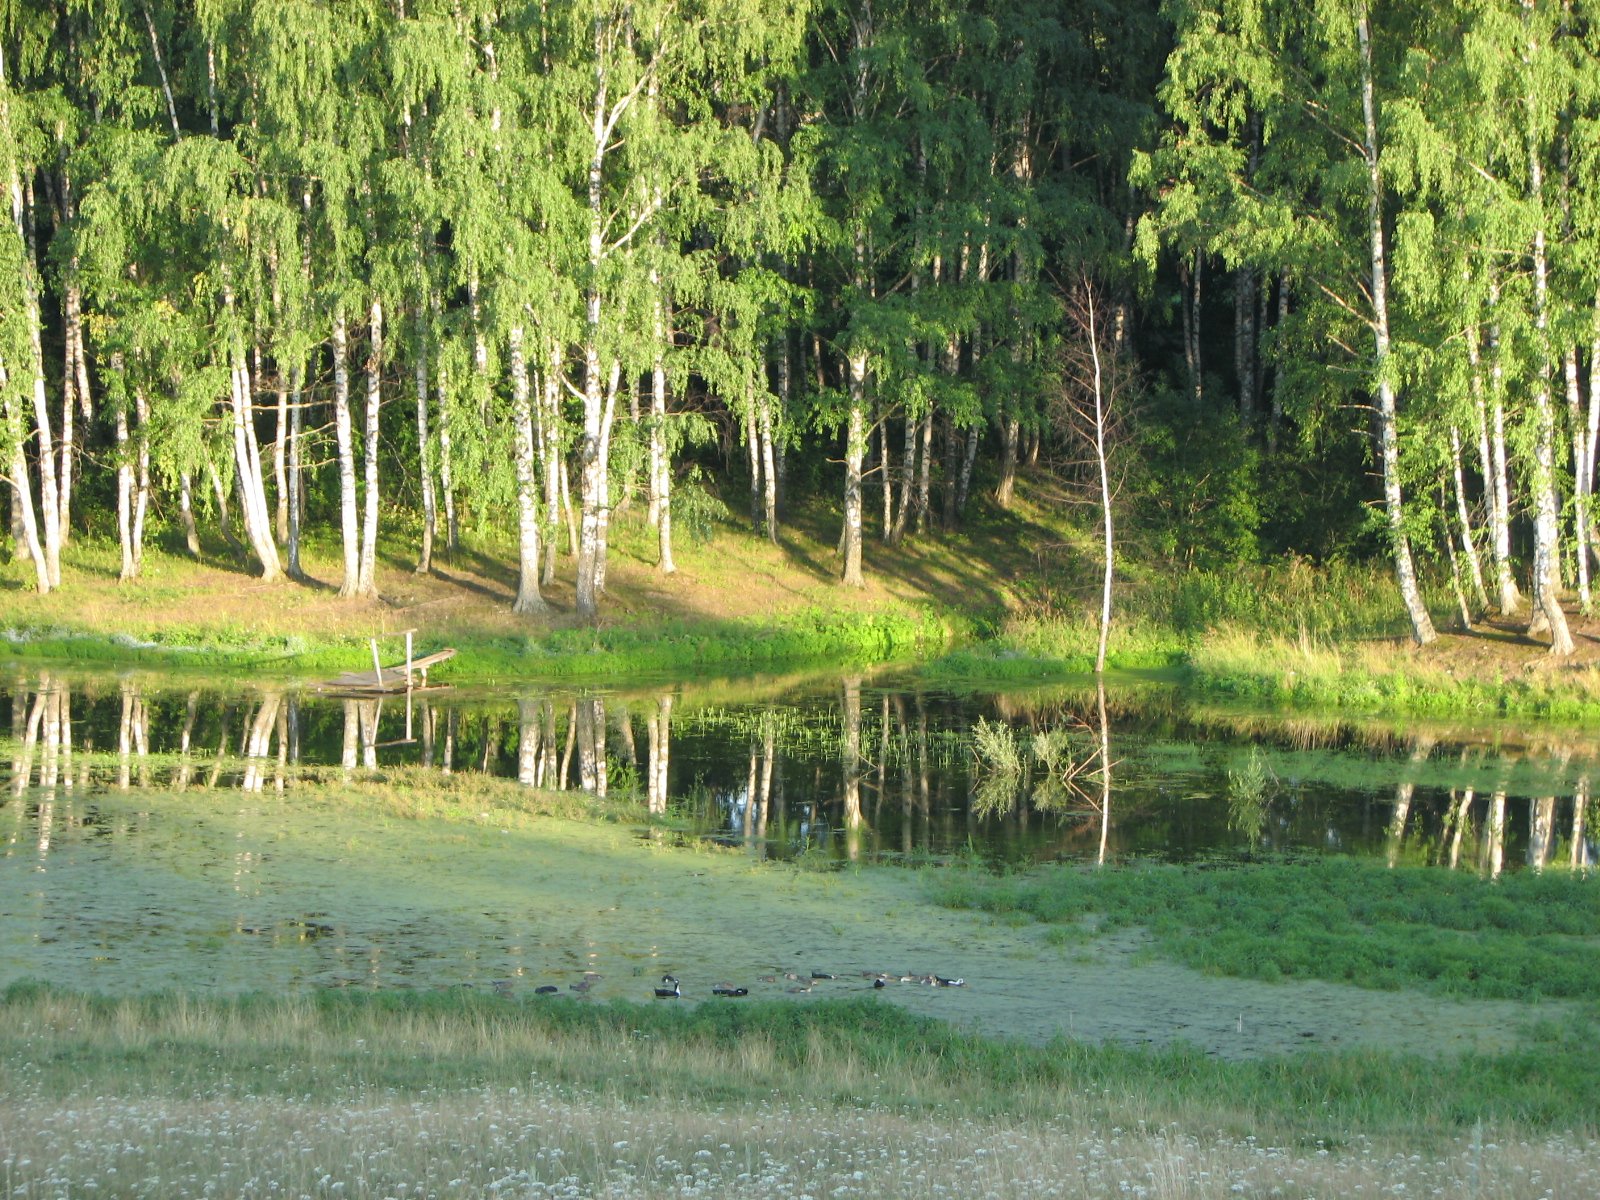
1524,936
336,1044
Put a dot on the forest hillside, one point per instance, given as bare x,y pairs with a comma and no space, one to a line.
319,290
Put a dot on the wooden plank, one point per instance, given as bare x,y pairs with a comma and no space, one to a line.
383,679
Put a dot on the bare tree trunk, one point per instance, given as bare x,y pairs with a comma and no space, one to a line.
855,451
1495,433
1190,274
886,477
141,480
280,459
1581,454
191,534
925,479
247,464
528,598
1465,519
1275,414
908,477
1244,342
224,520
49,494
349,521
1592,441
660,444
554,461
968,459
22,492
769,453
603,492
296,426
1010,431
366,584
1400,547
75,385
1546,526
1100,399
591,450
430,508
124,483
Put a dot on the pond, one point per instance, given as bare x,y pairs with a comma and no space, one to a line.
161,832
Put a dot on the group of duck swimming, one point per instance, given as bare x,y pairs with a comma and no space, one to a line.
670,989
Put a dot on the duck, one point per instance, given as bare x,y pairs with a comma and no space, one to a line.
668,989
727,989
941,981
548,989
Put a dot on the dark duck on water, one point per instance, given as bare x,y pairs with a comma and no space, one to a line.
668,988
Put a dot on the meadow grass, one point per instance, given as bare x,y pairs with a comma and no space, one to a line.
1525,936
1317,673
467,1094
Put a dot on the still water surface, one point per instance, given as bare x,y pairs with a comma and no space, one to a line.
156,831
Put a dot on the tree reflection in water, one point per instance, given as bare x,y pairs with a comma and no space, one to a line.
852,768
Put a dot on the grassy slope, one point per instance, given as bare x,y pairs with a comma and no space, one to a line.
1011,596
737,601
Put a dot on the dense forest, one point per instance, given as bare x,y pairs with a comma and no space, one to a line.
300,266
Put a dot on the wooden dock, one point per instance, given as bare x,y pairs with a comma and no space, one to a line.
409,676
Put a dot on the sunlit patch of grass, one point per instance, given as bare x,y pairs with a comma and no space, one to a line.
472,1094
1312,671
1521,937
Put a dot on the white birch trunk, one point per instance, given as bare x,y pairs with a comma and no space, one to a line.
49,494
191,533
1400,547
75,388
1468,545
349,521
591,468
1510,595
908,477
430,510
366,584
658,401
550,446
247,463
23,513
124,484
1580,483
660,447
855,452
1105,488
1546,526
925,477
886,478
1593,423
768,473
528,598
141,478
296,425
603,479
